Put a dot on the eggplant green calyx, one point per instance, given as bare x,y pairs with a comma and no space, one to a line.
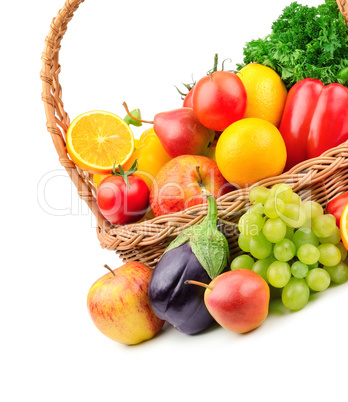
124,174
129,120
208,244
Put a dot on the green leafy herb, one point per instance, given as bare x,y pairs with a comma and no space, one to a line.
305,42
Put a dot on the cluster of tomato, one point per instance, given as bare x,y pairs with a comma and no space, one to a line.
123,196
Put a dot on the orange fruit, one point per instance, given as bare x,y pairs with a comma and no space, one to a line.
344,226
96,140
266,92
250,150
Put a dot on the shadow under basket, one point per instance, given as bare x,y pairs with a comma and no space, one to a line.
319,179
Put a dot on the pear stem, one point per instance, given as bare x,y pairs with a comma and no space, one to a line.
133,117
204,285
107,267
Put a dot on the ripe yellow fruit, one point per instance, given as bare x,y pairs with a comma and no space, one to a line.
266,92
250,150
96,140
344,226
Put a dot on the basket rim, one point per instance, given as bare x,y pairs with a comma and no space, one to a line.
132,235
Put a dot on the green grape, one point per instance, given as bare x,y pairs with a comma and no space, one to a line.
299,269
343,250
295,294
256,208
338,273
304,236
330,255
308,254
282,191
315,265
260,247
293,215
243,243
250,224
274,230
261,266
318,279
243,261
295,199
333,239
324,225
312,209
273,207
278,274
258,194
289,232
285,250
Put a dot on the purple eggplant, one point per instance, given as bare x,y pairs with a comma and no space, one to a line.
179,304
199,253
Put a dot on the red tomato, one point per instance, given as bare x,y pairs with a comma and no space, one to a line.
188,99
336,205
121,204
219,100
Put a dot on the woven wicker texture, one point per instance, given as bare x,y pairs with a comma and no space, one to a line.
319,179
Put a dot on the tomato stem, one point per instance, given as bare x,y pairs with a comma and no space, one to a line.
133,117
124,174
214,69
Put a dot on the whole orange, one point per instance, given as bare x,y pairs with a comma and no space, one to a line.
250,150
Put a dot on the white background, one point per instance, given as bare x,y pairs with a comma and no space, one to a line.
49,348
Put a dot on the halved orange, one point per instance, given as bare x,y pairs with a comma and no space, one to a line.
344,226
97,140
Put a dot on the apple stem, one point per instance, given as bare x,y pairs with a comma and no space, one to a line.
133,117
199,177
107,267
191,282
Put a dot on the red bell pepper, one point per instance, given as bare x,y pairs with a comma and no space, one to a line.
315,119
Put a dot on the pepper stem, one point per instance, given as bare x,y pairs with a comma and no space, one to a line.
343,75
204,285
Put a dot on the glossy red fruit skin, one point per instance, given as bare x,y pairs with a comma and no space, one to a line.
188,99
219,100
181,133
239,300
121,204
336,206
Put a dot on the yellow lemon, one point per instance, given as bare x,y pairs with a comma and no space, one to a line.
266,92
250,150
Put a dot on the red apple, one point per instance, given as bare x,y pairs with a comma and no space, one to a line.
119,305
179,183
238,300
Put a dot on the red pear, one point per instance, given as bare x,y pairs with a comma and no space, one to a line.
181,133
238,300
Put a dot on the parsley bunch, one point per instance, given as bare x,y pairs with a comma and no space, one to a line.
305,42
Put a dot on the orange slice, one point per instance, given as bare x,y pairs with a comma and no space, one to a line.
96,140
344,226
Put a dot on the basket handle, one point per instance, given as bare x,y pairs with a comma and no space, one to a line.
343,6
57,119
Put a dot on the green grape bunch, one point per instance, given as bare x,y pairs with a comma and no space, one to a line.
292,244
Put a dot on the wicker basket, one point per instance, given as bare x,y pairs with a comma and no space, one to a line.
319,179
